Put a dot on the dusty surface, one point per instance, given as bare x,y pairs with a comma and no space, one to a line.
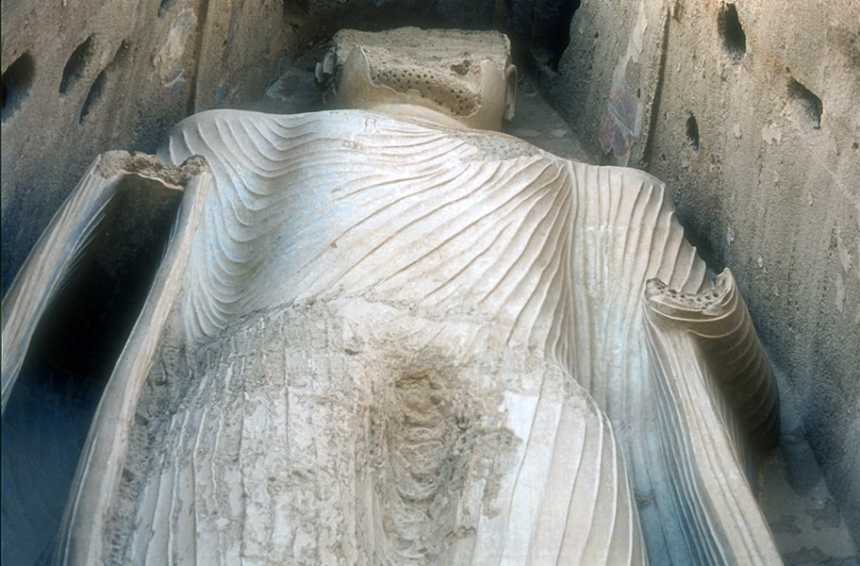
803,514
114,75
397,238
538,123
816,531
65,321
466,75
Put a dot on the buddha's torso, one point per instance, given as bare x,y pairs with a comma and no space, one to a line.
333,434
366,378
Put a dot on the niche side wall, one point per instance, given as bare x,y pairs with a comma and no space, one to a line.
750,112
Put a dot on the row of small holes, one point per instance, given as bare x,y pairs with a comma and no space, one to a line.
423,81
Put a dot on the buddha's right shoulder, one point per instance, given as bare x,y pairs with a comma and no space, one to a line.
322,122
240,136
230,134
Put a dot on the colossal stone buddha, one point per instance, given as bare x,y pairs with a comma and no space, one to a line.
390,334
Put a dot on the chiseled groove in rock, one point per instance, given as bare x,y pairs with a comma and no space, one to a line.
571,535
727,340
236,219
221,283
696,525
631,210
57,254
696,342
500,219
226,245
553,521
619,470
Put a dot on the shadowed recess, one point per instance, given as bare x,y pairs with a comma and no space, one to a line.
811,104
729,26
16,82
71,356
164,6
93,96
76,65
550,33
693,132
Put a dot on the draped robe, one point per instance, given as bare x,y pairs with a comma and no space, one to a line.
383,341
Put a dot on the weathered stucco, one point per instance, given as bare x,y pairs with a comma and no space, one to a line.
757,130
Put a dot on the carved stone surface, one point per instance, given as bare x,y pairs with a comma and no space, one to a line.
467,75
384,339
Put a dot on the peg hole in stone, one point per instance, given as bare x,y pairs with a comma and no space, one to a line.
77,65
732,32
693,132
15,84
164,6
810,104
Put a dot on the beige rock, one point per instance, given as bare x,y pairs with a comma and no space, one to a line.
466,75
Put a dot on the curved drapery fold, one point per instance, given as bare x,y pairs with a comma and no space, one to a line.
309,422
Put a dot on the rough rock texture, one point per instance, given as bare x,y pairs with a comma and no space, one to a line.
763,189
749,111
466,75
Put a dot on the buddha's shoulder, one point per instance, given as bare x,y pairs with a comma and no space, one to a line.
358,126
376,139
332,123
